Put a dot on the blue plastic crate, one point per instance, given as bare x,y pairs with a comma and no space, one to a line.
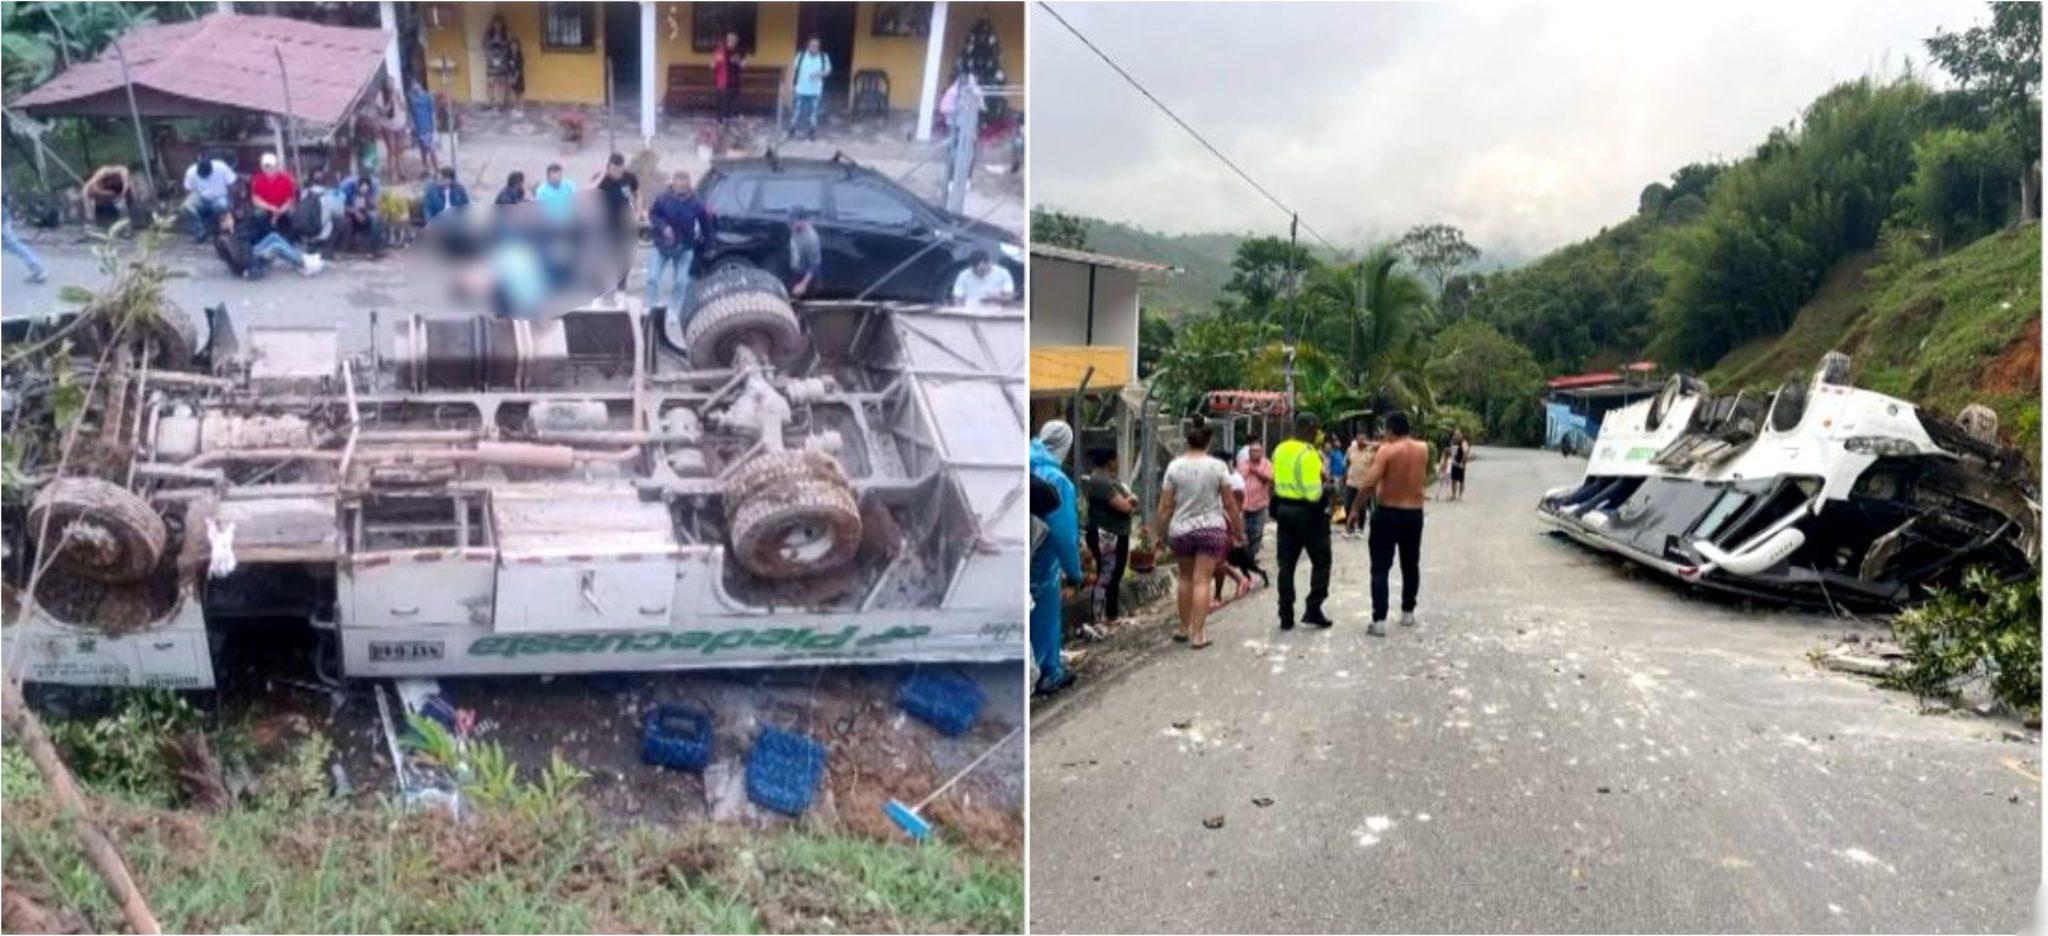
948,701
783,771
678,737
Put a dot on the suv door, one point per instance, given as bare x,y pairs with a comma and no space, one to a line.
737,228
870,231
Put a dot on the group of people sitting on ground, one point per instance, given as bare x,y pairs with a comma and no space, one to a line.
271,219
1211,515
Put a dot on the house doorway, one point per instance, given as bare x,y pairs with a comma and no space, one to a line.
833,24
622,54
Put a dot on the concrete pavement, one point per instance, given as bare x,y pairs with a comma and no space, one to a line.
1562,746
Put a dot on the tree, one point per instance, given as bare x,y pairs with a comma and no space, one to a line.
1058,229
1262,274
1963,183
2002,64
1438,250
1208,353
1651,202
1474,366
1155,336
1384,310
1460,296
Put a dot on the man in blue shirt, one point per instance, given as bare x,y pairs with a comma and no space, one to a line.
678,224
444,193
556,196
807,80
421,103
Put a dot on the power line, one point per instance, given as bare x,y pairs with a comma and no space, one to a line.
1246,176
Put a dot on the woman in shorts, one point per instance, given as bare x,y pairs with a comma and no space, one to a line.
1200,521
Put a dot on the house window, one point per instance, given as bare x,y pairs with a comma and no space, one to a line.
569,26
709,22
902,20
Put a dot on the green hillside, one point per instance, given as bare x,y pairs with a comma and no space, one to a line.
1961,328
1205,258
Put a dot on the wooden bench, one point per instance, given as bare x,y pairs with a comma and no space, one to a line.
695,88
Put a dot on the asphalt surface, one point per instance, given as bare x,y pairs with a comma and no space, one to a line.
1562,745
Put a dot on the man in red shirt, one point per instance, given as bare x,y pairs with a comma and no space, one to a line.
725,66
1257,470
274,192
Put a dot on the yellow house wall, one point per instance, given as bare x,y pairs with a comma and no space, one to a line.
446,42
557,76
774,38
902,57
561,76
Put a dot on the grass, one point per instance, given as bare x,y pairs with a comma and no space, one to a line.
1946,332
330,866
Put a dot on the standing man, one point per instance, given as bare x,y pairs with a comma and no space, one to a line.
621,191
1304,521
807,84
678,225
206,194
1461,451
1258,494
1399,478
556,196
1357,462
421,104
725,67
1110,508
806,256
1333,466
1055,562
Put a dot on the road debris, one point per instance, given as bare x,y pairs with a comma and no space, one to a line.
1213,822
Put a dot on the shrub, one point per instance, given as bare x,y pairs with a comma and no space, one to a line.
1982,628
1964,183
123,750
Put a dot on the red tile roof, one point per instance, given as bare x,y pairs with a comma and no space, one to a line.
1584,380
224,61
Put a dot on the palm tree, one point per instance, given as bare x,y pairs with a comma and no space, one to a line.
1383,309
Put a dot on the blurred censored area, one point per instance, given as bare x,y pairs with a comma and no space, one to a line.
532,260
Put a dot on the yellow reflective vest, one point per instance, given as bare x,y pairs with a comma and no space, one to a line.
1297,471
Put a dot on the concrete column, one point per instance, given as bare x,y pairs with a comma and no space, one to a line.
387,20
934,51
650,78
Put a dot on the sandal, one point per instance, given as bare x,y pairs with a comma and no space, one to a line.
1179,637
1204,645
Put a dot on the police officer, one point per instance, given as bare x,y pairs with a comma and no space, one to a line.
1302,514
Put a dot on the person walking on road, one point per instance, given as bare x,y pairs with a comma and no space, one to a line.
1398,481
1257,470
1334,465
1057,561
1356,463
1301,512
1460,453
1200,521
1110,508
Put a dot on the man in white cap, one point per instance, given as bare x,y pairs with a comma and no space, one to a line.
274,192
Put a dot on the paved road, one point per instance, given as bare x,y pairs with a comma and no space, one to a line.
1561,746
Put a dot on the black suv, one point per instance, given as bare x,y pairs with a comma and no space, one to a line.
867,227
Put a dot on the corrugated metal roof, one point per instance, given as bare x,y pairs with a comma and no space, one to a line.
226,60
1584,380
1102,260
1059,369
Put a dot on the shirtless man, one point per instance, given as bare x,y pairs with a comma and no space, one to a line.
1398,482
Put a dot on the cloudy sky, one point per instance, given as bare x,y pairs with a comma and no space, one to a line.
1529,125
